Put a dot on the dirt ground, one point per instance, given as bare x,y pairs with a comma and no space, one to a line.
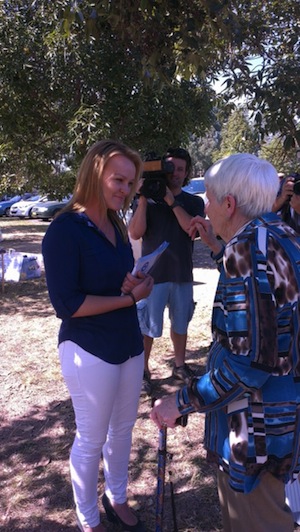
37,422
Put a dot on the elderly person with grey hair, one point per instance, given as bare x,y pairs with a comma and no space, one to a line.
250,393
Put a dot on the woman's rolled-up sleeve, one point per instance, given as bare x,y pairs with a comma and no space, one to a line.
61,253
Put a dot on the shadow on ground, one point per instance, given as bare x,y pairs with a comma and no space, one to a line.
34,452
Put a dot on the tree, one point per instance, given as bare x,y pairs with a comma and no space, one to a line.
285,161
58,95
204,38
72,71
237,136
202,149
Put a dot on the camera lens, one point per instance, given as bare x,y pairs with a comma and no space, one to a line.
168,167
154,188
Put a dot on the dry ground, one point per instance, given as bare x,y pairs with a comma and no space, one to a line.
37,424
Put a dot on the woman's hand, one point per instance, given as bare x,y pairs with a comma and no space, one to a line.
140,285
143,289
204,228
165,412
131,281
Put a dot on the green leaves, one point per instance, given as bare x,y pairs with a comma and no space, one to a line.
72,72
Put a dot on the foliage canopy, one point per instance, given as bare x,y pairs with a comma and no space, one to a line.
75,71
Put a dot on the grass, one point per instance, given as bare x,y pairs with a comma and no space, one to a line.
37,422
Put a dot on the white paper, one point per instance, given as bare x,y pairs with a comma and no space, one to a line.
144,264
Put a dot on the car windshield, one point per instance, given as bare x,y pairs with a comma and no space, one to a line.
14,198
34,198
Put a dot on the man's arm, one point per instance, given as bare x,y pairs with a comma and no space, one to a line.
138,223
183,218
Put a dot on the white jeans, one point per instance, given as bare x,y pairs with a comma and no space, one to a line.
105,400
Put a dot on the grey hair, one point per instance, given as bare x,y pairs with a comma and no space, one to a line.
252,181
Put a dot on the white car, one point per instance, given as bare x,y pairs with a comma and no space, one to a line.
23,208
196,186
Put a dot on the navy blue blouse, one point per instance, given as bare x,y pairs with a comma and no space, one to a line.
79,261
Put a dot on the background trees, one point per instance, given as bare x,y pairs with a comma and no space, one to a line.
237,135
75,71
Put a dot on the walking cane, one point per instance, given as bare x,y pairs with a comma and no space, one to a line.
160,495
161,473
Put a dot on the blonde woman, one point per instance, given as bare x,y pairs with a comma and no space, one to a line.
88,258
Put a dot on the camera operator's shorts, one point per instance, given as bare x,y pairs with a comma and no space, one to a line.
177,297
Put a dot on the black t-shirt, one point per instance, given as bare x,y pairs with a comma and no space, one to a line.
175,264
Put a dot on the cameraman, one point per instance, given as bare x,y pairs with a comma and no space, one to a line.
287,203
156,220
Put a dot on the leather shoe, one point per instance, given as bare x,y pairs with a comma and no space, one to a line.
113,517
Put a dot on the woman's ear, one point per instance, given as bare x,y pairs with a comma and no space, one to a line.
230,202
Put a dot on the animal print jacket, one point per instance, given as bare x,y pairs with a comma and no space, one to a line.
251,391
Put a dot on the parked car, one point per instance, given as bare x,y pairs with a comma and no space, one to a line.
6,197
23,208
46,210
6,204
196,186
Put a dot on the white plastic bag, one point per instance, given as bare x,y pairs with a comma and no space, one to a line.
13,261
20,266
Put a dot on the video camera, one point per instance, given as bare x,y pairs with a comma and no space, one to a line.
296,188
155,172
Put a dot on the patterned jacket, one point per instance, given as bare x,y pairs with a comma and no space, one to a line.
251,391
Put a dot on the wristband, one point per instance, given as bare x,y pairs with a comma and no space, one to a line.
174,204
218,256
130,294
